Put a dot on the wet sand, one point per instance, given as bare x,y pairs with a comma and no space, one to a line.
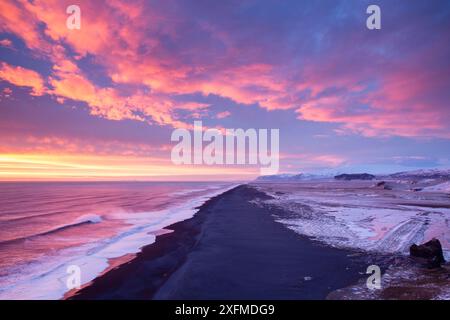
230,249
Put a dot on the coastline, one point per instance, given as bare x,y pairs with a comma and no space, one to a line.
91,226
230,249
165,254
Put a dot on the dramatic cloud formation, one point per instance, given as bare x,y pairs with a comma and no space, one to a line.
22,77
170,49
165,63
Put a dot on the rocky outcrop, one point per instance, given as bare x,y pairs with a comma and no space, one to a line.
383,185
429,252
354,176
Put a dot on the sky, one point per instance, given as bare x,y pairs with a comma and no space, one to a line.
101,103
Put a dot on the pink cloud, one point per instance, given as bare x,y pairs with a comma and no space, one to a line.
222,115
6,43
402,105
126,40
71,145
22,77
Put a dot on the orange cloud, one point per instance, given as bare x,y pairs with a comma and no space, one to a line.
400,106
117,44
114,35
57,144
15,18
23,78
127,40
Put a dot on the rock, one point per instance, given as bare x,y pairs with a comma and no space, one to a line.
430,251
355,176
383,185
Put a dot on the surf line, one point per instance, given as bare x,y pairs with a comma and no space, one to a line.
227,147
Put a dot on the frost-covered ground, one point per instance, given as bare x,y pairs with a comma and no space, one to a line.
376,216
402,280
361,215
441,187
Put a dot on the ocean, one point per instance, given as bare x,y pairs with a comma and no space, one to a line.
45,227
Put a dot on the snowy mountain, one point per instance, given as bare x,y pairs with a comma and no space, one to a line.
423,174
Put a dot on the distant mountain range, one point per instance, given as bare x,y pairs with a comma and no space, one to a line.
443,174
423,174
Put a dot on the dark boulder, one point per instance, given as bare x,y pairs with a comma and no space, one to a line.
430,252
383,185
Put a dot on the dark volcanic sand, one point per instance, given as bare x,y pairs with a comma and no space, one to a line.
231,249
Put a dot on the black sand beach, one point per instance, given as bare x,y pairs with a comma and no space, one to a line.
231,249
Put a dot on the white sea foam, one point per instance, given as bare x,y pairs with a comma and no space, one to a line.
93,218
46,278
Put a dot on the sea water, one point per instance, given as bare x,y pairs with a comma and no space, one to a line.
46,227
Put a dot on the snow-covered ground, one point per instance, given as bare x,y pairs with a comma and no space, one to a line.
441,187
361,215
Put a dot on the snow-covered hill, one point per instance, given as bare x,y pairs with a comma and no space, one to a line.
441,187
423,174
